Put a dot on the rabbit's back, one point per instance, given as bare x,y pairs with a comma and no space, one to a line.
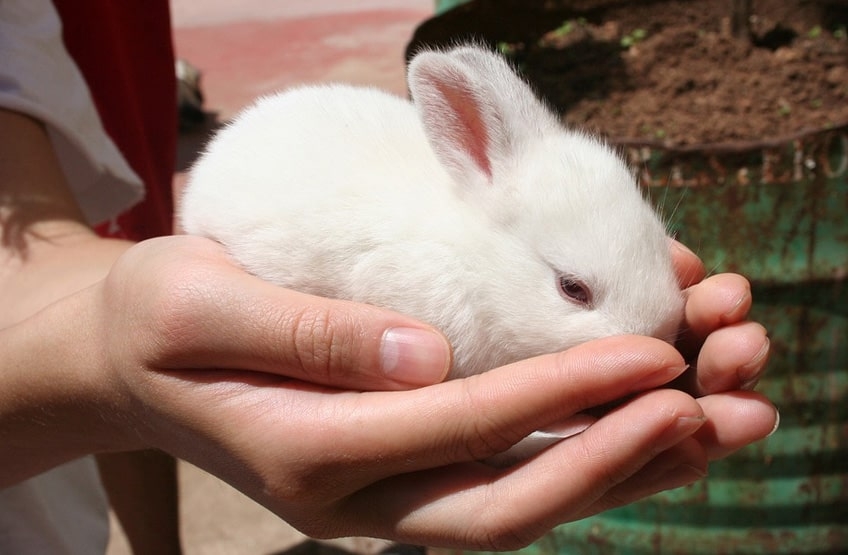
323,180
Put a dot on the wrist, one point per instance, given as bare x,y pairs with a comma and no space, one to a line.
59,400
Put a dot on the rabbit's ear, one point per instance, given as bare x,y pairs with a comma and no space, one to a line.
477,113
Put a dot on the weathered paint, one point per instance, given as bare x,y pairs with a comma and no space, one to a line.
775,211
774,214
445,5
778,215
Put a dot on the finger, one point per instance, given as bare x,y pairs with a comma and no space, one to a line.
480,416
687,265
509,403
474,505
381,434
324,341
678,466
211,314
717,301
734,420
733,357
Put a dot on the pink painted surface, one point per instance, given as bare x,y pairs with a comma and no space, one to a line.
251,57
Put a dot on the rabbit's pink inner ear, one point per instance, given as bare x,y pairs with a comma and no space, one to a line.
468,130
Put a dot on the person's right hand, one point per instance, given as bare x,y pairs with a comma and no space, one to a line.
224,370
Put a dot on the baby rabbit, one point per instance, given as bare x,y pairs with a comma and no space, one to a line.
471,208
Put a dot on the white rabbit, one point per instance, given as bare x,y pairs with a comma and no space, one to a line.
472,209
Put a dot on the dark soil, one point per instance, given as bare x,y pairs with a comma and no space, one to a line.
671,72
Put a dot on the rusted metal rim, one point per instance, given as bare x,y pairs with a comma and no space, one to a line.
733,147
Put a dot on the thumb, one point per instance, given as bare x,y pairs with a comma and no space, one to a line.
209,314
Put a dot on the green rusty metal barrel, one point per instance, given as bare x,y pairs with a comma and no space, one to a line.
778,214
445,5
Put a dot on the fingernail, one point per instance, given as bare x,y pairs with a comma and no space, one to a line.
415,356
776,423
660,377
742,304
680,246
749,374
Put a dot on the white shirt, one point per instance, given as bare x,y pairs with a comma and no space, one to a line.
39,78
63,511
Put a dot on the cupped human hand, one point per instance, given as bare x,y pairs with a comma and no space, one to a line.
203,306
231,373
726,352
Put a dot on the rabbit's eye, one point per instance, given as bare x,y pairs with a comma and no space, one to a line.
574,290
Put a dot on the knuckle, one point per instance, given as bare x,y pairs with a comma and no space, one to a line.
314,343
299,487
161,312
486,435
299,504
310,492
175,317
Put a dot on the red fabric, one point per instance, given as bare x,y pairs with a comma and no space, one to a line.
124,49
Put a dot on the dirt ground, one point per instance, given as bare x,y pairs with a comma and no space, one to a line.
672,72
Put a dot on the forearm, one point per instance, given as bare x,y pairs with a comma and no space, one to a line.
46,249
52,400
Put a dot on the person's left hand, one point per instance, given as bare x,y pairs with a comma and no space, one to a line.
205,379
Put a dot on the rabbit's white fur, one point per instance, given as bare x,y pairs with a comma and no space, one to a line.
461,209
